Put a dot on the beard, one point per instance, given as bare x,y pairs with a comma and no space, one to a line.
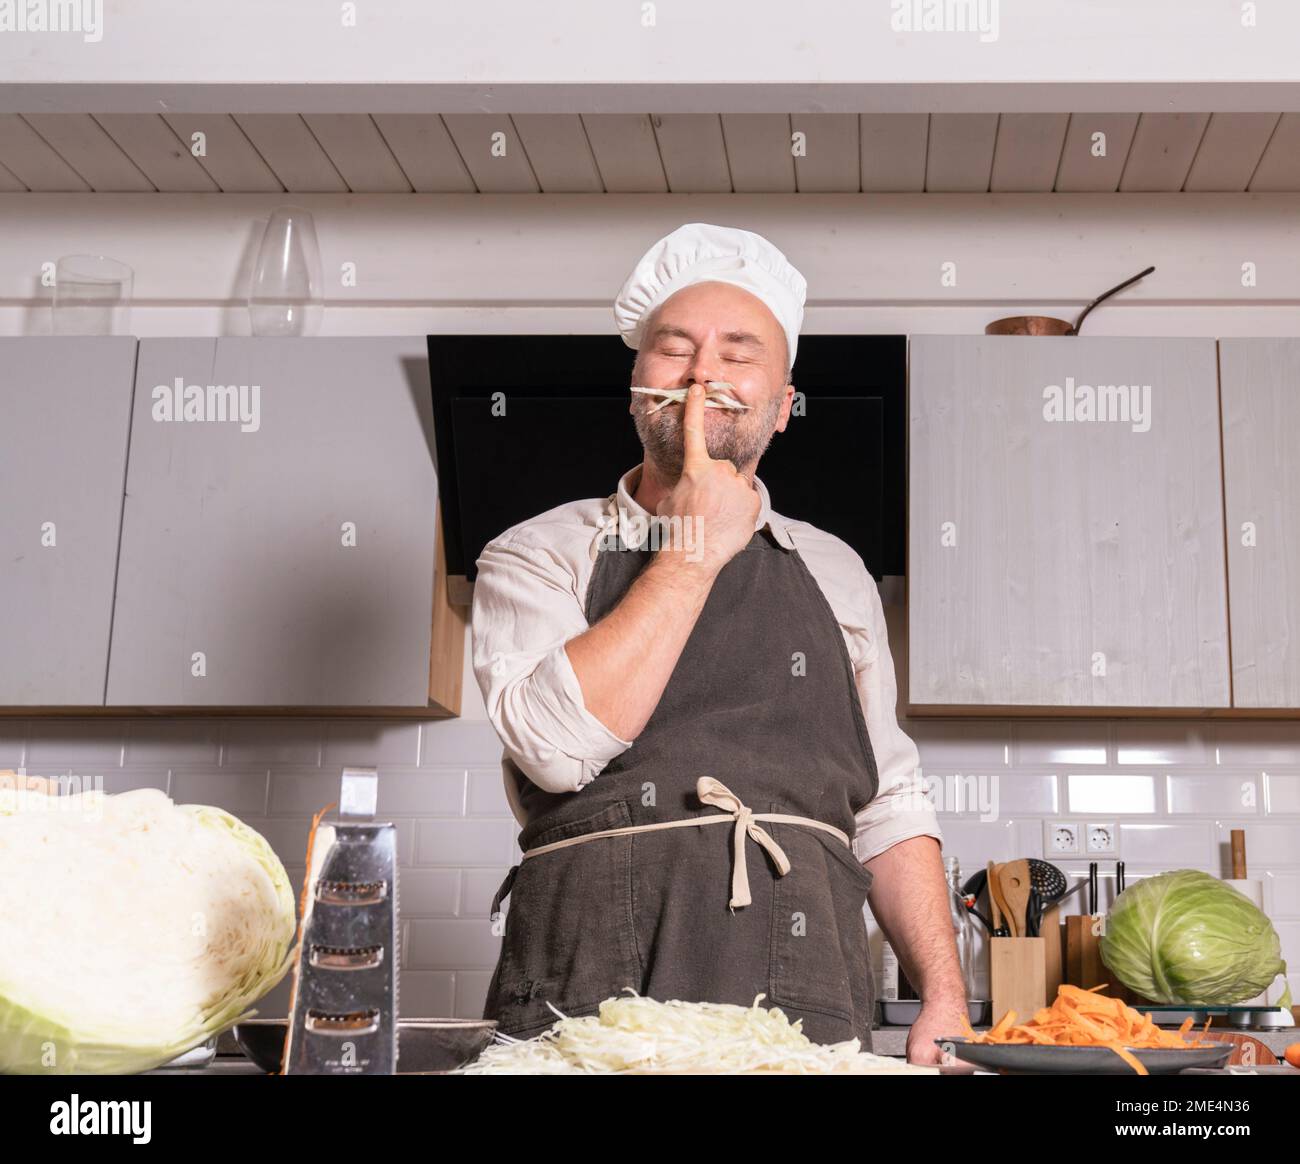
739,437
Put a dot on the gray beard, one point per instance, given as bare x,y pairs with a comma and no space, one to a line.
742,440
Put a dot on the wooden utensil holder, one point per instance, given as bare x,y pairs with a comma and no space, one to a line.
1053,933
1018,976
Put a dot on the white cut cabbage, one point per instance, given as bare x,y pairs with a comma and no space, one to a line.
639,1036
131,929
717,395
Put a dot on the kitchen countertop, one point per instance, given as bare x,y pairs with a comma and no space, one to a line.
885,1041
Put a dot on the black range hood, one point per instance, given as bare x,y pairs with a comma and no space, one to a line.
526,423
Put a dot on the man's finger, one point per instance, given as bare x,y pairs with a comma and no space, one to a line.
696,451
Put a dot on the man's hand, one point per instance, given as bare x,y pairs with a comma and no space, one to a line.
721,502
937,1020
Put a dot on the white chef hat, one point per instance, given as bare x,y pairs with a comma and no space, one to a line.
700,252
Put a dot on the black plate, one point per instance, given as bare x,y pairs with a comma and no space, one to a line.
1034,1059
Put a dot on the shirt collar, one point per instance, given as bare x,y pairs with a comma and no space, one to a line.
625,504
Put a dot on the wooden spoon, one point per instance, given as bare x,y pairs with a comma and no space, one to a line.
1013,881
995,897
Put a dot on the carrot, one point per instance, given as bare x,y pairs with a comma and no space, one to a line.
1087,1018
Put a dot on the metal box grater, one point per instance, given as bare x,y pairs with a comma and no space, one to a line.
343,1019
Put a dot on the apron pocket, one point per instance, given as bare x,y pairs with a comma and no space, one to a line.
820,960
568,938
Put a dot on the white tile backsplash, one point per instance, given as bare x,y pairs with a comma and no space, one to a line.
1267,845
1282,792
478,887
451,944
464,842
273,741
368,743
422,792
975,844
1153,742
999,793
303,790
13,742
948,745
1215,791
487,793
430,892
112,780
1264,742
471,992
459,741
1110,793
440,781
242,793
58,744
1063,743
173,742
427,994
1179,846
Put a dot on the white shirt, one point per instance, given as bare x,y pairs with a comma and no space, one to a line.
528,602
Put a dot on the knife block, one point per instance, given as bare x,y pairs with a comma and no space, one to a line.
1083,965
1018,976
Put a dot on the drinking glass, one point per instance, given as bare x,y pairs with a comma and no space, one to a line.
92,296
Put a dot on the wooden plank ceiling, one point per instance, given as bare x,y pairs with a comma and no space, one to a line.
651,153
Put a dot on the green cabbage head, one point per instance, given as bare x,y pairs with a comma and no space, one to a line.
131,929
1186,937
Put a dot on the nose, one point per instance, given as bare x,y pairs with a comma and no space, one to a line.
704,367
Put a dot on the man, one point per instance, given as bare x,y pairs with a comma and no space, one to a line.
733,671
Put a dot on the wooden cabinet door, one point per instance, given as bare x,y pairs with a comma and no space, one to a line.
1065,556
65,410
1261,467
284,559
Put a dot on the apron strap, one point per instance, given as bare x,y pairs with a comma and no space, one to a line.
714,792
717,795
503,892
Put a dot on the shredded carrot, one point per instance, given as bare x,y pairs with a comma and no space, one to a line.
1087,1018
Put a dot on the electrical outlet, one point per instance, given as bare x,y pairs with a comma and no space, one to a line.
1061,839
1103,840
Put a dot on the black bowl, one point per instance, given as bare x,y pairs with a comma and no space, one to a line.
423,1045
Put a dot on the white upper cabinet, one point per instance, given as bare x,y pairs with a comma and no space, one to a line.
278,540
1261,468
65,412
1065,542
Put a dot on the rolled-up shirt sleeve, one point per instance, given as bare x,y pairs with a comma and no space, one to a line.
901,809
526,607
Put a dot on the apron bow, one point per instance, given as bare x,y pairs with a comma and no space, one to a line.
718,795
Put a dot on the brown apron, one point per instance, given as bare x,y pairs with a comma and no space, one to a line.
762,716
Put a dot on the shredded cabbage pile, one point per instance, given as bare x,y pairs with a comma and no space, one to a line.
635,1036
131,928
